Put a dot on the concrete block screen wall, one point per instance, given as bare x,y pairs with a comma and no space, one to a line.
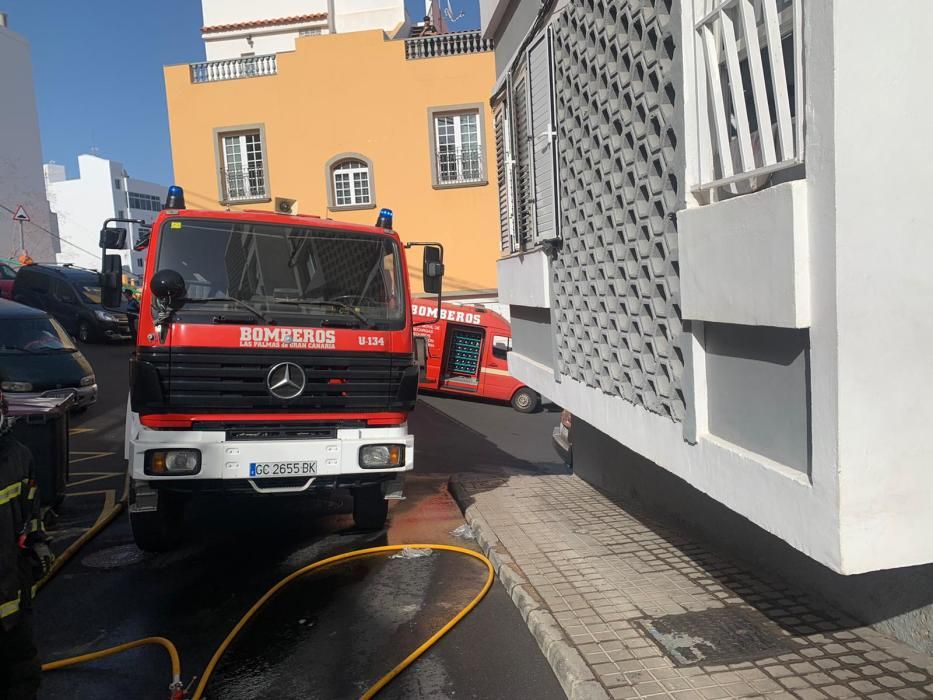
764,393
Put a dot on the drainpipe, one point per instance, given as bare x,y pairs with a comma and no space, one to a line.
331,20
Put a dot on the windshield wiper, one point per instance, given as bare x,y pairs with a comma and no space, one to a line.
339,305
238,302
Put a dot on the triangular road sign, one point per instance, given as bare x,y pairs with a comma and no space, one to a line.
20,214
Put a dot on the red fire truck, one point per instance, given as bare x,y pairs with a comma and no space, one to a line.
467,354
274,355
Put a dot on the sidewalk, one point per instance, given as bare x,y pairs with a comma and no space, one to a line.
624,607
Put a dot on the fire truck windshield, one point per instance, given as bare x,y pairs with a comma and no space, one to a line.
295,275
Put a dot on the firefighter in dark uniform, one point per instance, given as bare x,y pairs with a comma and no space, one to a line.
24,558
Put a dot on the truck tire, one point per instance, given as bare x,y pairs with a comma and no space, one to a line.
370,508
526,400
159,530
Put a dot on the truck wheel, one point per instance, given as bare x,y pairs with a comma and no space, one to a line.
526,400
370,508
161,529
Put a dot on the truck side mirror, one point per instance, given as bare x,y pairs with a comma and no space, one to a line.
111,282
113,238
433,269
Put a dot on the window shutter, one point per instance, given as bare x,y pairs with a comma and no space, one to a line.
543,129
504,177
524,210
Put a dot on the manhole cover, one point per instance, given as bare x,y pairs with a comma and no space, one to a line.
114,557
719,636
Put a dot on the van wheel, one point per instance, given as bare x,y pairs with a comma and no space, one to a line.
84,332
159,530
370,508
526,400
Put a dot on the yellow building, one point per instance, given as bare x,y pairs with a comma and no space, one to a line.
346,124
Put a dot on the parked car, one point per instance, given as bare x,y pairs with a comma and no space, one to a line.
38,358
563,438
7,275
71,295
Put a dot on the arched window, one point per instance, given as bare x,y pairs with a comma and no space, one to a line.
350,185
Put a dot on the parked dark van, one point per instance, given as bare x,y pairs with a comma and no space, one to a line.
71,295
38,358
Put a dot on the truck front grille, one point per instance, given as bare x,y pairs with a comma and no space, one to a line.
208,380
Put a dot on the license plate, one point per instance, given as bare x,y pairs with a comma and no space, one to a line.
264,469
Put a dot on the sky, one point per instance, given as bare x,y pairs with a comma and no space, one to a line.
97,68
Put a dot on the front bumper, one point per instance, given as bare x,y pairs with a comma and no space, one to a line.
83,396
226,463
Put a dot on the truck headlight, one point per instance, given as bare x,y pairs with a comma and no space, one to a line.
172,462
15,386
105,316
88,380
381,456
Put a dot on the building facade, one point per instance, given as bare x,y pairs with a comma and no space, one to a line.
102,190
347,123
21,157
712,256
236,29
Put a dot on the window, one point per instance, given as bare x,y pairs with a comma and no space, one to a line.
144,202
293,276
350,178
243,166
116,184
457,146
121,214
750,81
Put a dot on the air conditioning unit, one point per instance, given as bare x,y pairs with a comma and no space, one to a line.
283,205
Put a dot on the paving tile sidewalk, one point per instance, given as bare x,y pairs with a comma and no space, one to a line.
592,577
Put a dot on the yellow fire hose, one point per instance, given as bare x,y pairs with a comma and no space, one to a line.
177,691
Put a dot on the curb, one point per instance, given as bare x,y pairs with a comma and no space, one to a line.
573,673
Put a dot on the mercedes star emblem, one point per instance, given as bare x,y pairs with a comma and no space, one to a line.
286,380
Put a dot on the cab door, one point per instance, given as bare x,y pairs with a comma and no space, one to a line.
63,305
497,383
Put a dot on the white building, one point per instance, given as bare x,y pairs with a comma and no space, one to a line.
21,156
244,28
102,190
714,223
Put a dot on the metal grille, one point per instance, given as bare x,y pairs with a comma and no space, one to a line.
616,276
717,636
216,381
750,82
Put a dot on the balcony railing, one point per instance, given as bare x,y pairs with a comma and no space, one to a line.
750,91
441,45
458,166
243,184
233,69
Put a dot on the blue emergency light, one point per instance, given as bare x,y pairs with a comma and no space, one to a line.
175,198
385,219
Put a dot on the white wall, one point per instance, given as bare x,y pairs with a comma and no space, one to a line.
863,288
348,16
884,284
21,177
234,11
83,203
363,15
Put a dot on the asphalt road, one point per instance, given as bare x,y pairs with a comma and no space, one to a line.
331,634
